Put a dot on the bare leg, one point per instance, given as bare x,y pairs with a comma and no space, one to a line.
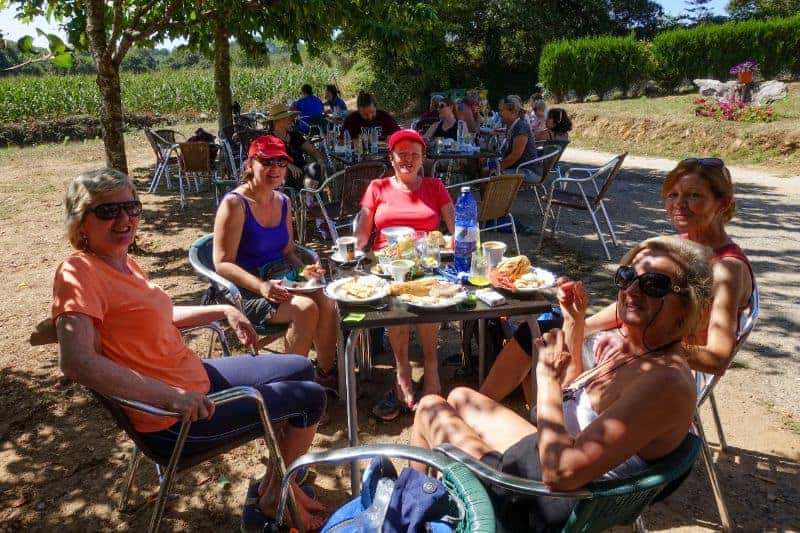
302,315
428,338
509,370
398,338
325,334
496,424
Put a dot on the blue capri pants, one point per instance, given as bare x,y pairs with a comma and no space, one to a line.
285,381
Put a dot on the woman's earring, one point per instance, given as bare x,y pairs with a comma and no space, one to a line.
84,242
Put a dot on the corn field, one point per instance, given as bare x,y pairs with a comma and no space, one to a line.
190,91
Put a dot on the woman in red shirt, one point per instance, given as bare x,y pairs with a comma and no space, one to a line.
406,199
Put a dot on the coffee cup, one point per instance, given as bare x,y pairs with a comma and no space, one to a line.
494,251
347,248
400,268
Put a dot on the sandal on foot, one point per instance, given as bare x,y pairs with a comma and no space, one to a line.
253,518
390,407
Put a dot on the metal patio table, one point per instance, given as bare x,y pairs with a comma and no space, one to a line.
397,313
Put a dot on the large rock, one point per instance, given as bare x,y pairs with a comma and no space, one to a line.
715,88
770,91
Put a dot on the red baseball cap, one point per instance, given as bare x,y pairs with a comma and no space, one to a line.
405,135
268,147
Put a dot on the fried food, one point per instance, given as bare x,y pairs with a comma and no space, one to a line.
360,288
431,292
420,287
514,267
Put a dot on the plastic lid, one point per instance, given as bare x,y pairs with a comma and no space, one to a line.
465,188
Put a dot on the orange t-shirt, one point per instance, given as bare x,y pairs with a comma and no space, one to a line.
134,320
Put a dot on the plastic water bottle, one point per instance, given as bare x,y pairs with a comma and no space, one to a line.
462,129
373,141
466,234
347,144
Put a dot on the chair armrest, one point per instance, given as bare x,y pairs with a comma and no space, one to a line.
538,159
472,182
324,183
216,328
218,398
214,278
506,481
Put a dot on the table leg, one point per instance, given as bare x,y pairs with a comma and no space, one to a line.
481,350
350,396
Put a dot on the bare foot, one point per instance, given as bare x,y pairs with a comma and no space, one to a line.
268,502
405,389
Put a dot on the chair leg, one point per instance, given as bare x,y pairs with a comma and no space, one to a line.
608,222
599,232
708,459
136,457
538,198
169,473
367,355
514,232
547,210
211,343
723,446
180,188
639,526
556,220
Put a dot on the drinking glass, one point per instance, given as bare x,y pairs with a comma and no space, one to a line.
431,257
479,269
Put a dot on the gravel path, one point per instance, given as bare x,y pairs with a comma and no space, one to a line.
767,227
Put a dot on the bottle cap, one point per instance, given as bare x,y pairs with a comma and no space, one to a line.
465,188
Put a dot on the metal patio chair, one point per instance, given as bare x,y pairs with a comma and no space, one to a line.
601,504
705,384
541,167
225,291
497,196
337,199
591,200
163,143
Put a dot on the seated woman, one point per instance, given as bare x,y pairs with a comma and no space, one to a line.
556,127
519,145
282,125
118,335
698,196
608,422
537,118
336,106
406,199
432,112
447,125
254,248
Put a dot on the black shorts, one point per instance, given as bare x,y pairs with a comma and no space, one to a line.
515,512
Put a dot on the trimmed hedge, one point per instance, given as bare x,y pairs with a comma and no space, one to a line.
705,51
709,50
597,64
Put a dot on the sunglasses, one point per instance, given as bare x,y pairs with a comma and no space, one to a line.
704,161
271,162
653,284
111,210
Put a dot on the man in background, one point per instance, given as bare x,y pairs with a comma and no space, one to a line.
367,115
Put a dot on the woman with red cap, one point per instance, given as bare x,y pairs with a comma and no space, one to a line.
254,248
406,199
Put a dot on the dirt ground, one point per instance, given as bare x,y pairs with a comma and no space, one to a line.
62,459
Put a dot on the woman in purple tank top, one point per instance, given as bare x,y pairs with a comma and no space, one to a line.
254,248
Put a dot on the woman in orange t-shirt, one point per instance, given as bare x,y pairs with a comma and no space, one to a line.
118,335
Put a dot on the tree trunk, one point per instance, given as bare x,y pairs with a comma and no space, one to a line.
108,83
222,76
111,117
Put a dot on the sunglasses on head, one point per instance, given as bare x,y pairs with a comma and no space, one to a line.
704,161
110,211
271,162
443,105
653,284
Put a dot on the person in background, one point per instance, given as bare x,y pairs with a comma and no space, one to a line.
447,125
310,108
519,144
406,199
557,126
432,113
468,110
537,118
336,106
202,136
254,248
282,124
118,334
367,115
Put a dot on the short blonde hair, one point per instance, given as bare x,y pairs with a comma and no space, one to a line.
83,190
513,103
694,273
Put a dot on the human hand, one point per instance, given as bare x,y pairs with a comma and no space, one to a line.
554,359
192,406
572,298
244,330
314,271
608,343
274,291
295,170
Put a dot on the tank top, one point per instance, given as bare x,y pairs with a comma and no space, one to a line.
260,245
450,133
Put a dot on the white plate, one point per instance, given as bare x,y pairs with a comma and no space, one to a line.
335,291
337,257
549,277
426,304
310,285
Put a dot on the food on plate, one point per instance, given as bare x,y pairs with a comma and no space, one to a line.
531,280
514,267
437,238
428,291
359,287
420,287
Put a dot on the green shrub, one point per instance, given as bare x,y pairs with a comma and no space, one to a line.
709,50
596,64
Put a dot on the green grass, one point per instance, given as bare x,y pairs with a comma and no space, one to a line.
168,92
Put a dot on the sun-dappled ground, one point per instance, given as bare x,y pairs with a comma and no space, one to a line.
62,459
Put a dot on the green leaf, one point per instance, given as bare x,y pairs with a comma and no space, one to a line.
62,60
25,44
57,46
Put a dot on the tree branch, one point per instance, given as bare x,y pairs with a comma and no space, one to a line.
28,62
136,33
116,25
